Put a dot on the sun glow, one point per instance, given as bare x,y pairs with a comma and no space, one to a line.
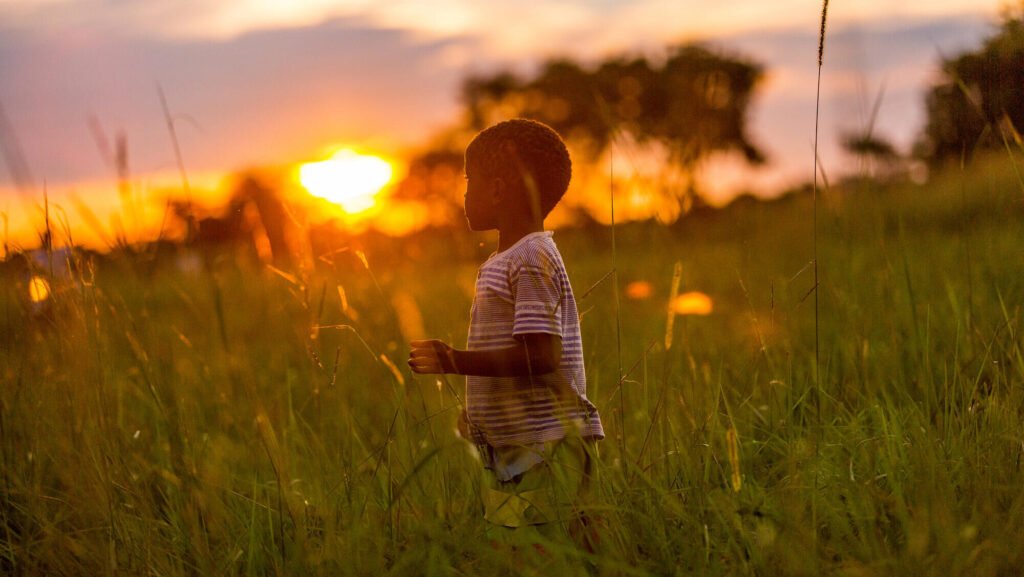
691,303
38,289
348,179
638,290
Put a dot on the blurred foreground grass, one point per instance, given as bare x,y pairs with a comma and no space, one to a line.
226,419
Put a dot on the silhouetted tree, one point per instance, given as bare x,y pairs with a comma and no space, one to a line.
435,177
876,155
865,144
694,104
272,216
980,98
254,213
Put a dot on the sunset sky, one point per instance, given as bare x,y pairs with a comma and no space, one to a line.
257,82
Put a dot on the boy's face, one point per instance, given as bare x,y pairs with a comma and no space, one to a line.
481,199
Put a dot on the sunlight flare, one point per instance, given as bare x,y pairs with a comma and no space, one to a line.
349,179
691,303
638,290
38,289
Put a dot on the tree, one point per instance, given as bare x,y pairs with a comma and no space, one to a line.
694,104
978,101
435,176
876,155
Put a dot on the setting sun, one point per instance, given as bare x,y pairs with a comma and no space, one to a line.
348,179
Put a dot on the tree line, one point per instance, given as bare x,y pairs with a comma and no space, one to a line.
694,103
978,103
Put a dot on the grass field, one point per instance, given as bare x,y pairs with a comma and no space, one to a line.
197,421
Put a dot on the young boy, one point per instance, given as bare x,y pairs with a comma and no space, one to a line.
526,392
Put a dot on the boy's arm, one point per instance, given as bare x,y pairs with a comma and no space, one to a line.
533,354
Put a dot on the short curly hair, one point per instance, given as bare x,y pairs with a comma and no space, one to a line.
527,148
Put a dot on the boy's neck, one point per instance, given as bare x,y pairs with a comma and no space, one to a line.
509,234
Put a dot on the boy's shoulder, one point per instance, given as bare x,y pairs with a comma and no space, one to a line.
534,249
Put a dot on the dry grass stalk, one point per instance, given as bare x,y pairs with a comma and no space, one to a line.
677,275
393,368
732,441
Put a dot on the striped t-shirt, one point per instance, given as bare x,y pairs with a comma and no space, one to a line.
525,289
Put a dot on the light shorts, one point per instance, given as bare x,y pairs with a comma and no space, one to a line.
546,498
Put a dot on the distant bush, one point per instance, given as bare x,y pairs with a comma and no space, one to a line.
978,103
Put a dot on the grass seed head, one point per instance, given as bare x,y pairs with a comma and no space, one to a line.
821,34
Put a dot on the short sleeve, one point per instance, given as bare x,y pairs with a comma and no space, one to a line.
538,297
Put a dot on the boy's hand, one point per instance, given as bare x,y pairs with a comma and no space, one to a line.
432,357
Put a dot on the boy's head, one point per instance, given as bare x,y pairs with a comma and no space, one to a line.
518,165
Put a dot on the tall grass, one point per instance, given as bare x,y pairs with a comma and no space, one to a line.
817,282
197,421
